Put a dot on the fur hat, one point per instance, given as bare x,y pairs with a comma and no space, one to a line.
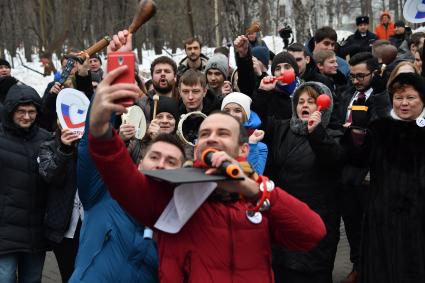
220,62
239,98
362,20
285,57
4,63
409,79
261,53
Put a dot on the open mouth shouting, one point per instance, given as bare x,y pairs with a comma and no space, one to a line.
305,114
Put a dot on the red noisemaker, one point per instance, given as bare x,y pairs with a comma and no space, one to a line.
323,102
287,77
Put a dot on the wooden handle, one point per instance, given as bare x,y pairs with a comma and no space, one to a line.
155,105
98,45
145,11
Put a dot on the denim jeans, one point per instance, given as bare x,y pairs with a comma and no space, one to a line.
28,265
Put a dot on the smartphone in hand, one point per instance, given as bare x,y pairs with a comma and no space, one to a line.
117,59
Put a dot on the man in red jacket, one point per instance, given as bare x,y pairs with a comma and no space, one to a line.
219,243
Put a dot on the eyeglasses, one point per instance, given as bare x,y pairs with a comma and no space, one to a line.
359,77
30,113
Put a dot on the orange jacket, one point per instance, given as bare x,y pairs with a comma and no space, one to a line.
382,31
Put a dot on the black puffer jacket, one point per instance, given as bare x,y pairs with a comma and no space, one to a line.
58,169
22,192
306,165
356,43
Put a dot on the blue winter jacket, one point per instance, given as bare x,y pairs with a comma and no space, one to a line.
257,156
112,247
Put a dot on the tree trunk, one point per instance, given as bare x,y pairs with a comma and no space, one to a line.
393,5
157,37
234,18
330,11
302,11
190,17
216,24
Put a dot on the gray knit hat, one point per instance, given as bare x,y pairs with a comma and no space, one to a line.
220,62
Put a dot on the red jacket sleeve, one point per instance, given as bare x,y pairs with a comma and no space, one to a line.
293,224
142,197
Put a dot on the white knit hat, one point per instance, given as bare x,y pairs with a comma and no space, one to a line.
239,98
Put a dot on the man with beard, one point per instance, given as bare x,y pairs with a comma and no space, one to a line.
163,72
367,89
194,58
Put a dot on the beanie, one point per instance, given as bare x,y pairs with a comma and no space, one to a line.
400,24
362,20
261,53
410,79
285,57
239,98
166,104
4,63
96,56
218,61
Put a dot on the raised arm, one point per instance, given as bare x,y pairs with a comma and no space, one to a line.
143,198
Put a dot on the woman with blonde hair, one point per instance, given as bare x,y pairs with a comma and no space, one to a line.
402,67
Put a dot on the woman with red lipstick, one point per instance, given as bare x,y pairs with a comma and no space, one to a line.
304,159
393,248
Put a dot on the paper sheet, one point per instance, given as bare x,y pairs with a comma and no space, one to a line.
186,200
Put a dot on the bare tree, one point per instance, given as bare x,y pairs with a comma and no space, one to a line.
302,18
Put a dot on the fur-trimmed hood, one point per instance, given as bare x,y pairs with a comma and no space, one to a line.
297,125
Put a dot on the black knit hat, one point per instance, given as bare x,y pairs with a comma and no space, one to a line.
261,53
96,56
400,24
409,79
166,104
5,63
285,57
362,20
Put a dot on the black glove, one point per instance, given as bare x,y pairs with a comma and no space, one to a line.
378,83
359,114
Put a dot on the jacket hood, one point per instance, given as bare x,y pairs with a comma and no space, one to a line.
18,95
300,127
254,121
385,13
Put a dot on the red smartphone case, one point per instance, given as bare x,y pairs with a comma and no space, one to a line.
117,59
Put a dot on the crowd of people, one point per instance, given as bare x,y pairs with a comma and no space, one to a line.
305,164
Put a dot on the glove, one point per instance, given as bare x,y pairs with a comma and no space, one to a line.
378,83
359,114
